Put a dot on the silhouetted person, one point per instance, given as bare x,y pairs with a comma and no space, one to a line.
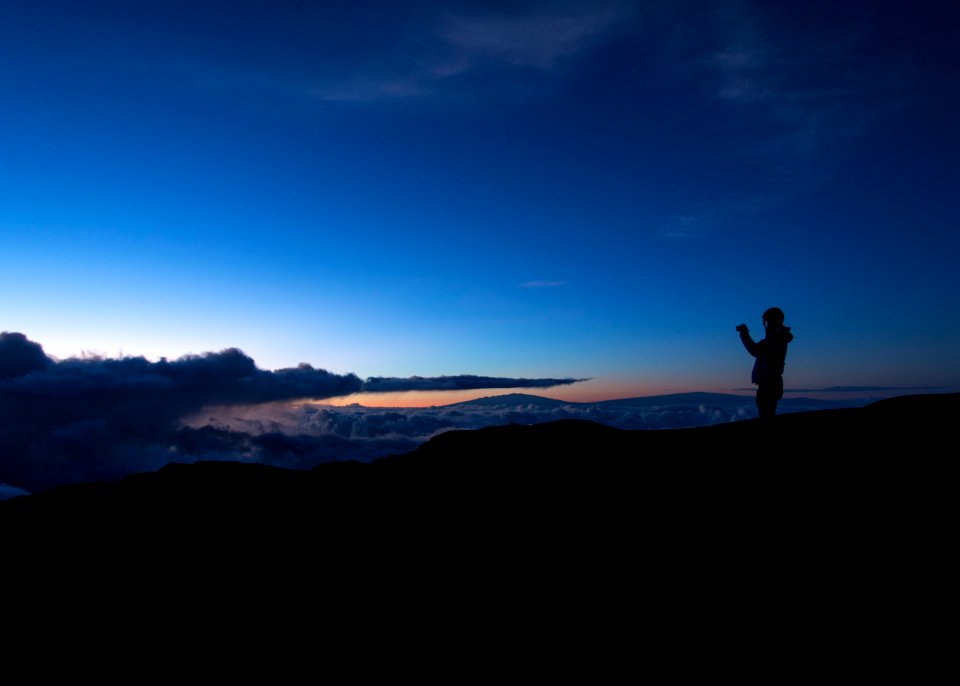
770,354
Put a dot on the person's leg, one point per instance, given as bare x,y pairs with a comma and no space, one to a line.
764,407
776,392
768,395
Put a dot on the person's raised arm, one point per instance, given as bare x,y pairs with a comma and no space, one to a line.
752,346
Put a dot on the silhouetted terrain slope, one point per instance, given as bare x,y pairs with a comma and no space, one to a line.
565,475
820,538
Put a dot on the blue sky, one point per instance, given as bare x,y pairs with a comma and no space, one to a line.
585,189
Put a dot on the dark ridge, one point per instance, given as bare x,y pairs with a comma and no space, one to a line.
818,529
713,400
683,399
668,400
556,466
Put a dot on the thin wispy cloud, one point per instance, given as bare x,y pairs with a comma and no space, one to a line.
430,53
373,89
538,39
542,284
804,90
702,220
681,227
802,78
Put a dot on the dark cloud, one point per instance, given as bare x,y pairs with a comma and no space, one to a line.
294,451
100,418
457,383
19,356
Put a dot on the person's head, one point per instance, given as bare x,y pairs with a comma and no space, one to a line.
773,317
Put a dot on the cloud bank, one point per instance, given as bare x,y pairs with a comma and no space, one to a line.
99,418
308,435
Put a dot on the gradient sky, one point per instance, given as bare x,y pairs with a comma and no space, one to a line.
583,189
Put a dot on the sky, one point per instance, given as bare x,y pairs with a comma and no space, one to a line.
598,190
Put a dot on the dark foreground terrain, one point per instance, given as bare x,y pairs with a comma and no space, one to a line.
570,480
840,478
823,527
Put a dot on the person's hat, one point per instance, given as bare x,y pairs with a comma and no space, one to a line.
774,316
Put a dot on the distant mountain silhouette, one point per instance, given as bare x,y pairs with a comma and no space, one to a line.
512,400
713,400
722,400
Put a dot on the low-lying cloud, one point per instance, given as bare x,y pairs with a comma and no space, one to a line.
99,418
306,435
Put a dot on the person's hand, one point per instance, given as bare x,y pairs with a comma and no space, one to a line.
743,328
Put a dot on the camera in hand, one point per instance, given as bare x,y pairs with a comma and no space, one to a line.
741,327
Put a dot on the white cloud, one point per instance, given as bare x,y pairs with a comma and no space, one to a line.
372,424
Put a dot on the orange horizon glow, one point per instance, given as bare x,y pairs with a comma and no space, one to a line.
594,390
415,399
